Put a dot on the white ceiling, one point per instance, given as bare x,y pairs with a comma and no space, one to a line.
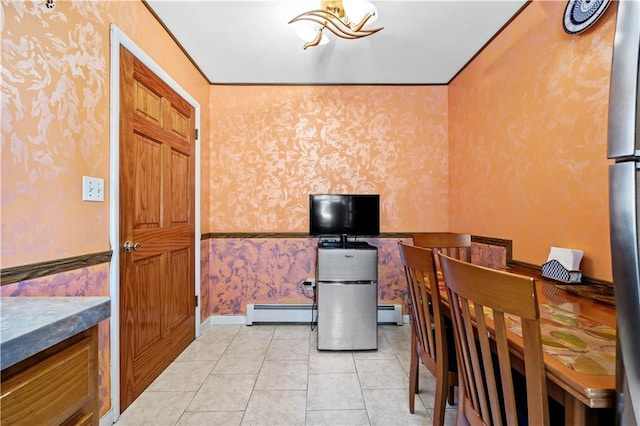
250,42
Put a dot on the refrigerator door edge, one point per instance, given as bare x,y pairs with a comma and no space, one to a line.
623,210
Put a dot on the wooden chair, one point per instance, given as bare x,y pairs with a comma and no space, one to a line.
428,340
471,289
452,244
457,245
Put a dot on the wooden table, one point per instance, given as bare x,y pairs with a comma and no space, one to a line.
578,347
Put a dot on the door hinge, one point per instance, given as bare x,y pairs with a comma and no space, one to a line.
196,133
196,297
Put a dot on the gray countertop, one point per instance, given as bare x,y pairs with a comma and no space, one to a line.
29,325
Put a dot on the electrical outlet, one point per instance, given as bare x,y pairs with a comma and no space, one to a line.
311,282
92,189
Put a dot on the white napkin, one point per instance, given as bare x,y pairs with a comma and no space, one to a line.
569,258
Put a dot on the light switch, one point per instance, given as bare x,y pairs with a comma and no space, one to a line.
92,189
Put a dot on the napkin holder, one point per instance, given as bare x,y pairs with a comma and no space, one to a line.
556,272
563,265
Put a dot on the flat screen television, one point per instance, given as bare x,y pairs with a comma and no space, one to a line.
344,214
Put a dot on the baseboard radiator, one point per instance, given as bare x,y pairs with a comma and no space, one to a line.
305,313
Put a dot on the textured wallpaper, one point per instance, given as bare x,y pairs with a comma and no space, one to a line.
55,120
274,145
272,270
54,129
528,132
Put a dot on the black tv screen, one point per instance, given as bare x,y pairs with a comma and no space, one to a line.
344,214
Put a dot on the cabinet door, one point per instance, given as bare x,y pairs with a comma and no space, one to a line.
56,386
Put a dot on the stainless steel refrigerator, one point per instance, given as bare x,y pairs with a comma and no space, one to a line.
624,202
347,298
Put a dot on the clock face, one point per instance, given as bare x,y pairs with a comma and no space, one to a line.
581,14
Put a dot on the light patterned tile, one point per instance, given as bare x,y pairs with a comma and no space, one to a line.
404,358
182,376
156,408
276,408
334,392
293,349
381,374
257,331
240,362
283,375
385,351
397,334
331,362
244,342
211,418
426,386
220,332
297,331
223,393
391,407
337,417
203,350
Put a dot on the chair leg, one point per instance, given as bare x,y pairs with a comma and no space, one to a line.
461,417
451,398
413,378
439,403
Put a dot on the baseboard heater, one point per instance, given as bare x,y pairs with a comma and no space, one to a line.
302,313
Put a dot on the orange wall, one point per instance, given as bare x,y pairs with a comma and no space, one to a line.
55,129
55,120
273,145
528,131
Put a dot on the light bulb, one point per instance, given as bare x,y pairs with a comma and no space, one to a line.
308,31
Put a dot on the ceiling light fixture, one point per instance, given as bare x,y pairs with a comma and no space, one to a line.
332,15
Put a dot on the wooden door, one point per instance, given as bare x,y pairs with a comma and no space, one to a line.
157,272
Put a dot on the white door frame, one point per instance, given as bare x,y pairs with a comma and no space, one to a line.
118,38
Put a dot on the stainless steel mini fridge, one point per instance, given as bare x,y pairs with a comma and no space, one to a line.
347,286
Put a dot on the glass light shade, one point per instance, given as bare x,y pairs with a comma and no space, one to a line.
357,9
308,31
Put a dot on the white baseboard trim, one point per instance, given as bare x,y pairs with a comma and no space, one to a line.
242,320
303,313
107,419
227,319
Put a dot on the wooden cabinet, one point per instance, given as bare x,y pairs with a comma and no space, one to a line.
56,386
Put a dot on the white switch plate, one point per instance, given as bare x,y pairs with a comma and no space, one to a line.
92,189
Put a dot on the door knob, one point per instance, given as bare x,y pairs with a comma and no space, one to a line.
129,246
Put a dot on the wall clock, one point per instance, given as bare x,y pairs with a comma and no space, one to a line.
581,14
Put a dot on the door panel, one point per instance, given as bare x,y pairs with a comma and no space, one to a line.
180,208
148,183
157,190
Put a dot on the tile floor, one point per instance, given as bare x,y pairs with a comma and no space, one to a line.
274,375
